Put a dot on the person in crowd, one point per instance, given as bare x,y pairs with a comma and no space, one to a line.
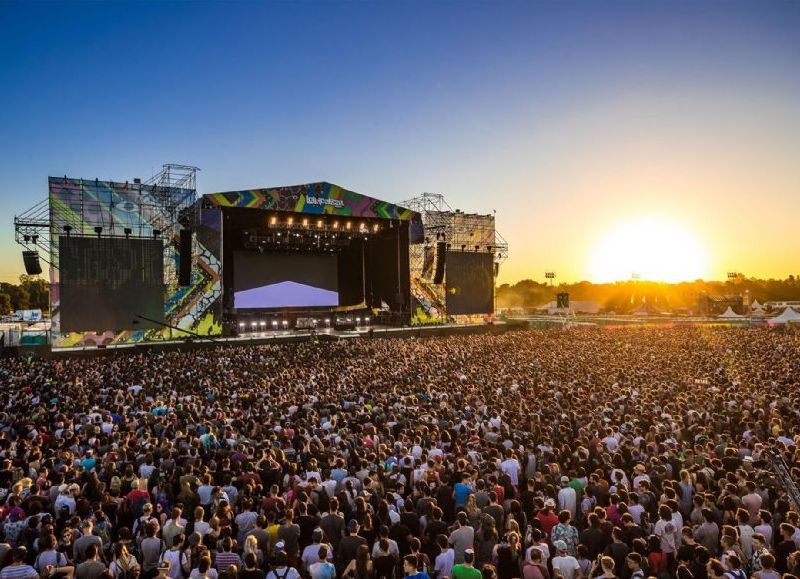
231,459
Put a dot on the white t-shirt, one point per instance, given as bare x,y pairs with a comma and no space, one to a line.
510,466
568,499
284,573
543,548
567,564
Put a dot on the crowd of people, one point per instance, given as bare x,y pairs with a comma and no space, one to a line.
614,453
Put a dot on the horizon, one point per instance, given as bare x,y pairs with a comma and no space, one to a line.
613,140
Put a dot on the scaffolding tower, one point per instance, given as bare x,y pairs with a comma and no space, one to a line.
93,207
458,231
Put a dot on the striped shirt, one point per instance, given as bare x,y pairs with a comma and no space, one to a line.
19,572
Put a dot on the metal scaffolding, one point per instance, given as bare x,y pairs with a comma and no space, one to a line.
465,231
458,231
95,207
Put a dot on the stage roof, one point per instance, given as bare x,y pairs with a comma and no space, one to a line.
312,198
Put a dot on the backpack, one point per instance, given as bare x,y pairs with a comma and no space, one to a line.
321,500
101,530
125,571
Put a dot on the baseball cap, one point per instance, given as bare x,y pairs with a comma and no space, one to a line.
560,545
469,555
564,480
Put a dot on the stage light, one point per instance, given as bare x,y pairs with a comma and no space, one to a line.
254,324
285,324
275,324
319,222
241,324
290,221
273,220
358,320
366,320
327,321
376,227
362,225
336,225
348,225
305,222
262,323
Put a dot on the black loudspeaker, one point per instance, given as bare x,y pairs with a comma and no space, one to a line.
441,252
185,258
496,268
32,265
562,300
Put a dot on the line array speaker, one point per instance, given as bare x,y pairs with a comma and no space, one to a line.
441,252
32,265
185,258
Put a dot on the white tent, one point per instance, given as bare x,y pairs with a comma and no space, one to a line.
788,315
730,315
756,307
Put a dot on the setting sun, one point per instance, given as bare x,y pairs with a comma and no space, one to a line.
652,249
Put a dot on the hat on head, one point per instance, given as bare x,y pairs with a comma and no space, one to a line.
564,480
560,545
469,555
550,503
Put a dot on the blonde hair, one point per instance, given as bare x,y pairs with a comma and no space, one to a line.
251,545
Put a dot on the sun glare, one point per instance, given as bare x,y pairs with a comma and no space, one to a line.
648,249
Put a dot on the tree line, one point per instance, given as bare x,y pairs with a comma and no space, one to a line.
627,296
31,293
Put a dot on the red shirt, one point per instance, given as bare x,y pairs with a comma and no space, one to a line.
547,521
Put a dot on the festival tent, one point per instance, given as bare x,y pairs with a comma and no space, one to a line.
756,307
788,315
730,315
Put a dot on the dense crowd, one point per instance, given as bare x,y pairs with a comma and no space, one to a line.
625,453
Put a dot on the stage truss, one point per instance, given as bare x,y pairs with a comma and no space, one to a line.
93,207
460,232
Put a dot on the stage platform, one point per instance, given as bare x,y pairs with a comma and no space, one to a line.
274,337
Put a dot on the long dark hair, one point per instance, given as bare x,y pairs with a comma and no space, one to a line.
362,560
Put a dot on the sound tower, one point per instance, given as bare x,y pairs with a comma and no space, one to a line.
441,252
32,265
562,300
185,257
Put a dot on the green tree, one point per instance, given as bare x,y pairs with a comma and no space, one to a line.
38,291
5,304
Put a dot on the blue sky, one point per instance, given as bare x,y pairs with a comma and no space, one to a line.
565,117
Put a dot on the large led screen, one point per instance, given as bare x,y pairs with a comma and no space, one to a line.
469,282
284,280
110,283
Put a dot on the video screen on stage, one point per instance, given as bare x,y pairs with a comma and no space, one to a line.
106,282
280,280
469,282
